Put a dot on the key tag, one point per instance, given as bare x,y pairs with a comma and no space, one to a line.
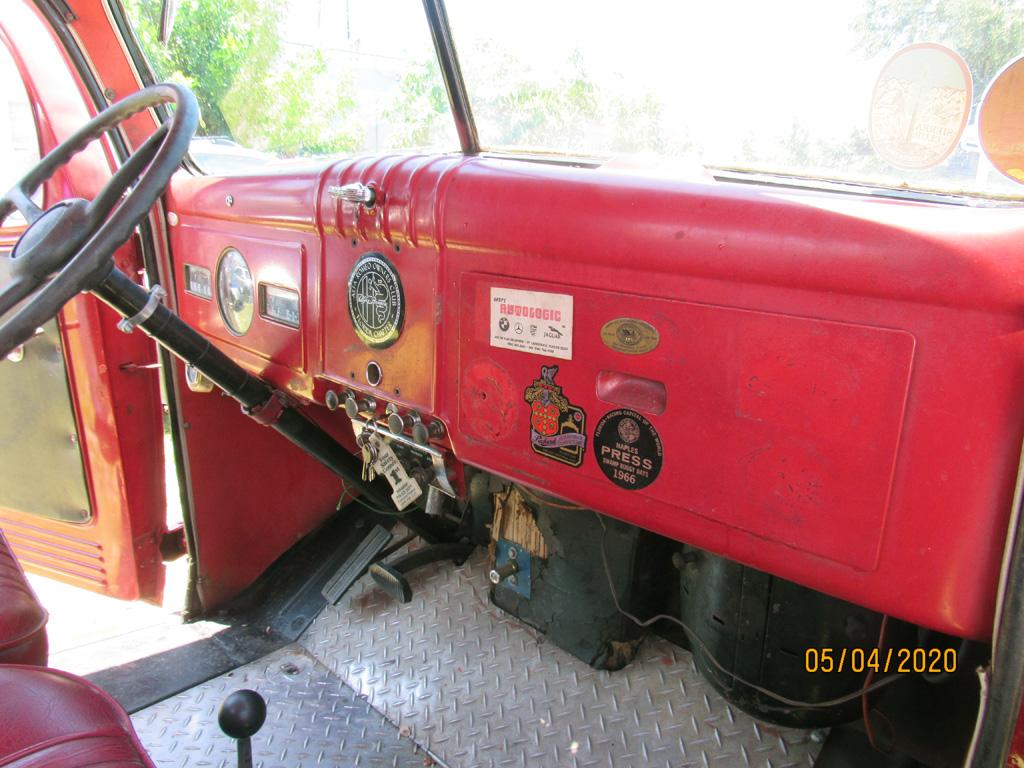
405,489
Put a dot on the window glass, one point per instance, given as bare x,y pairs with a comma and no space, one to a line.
278,80
780,87
19,142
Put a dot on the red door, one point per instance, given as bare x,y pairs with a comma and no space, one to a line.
81,441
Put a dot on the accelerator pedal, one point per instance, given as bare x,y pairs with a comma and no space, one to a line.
391,576
353,567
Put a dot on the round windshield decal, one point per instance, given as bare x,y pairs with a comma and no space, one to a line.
920,106
1001,121
376,302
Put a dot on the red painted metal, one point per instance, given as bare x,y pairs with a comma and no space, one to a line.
118,412
839,371
253,493
410,245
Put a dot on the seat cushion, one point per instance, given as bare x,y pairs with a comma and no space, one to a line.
22,618
54,719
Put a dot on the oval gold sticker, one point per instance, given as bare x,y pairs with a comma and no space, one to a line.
629,335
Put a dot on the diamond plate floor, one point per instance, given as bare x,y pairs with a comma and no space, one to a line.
478,688
313,719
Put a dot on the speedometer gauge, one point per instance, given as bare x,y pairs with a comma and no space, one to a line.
235,291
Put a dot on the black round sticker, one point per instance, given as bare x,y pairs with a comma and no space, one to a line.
628,449
376,302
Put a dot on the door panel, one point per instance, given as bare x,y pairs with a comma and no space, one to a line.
98,447
43,472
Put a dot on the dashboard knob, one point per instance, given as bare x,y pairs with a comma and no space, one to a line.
398,423
355,405
354,193
422,433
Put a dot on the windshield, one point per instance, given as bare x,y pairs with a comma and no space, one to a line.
782,88
281,81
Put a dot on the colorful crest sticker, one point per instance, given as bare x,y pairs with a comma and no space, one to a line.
558,429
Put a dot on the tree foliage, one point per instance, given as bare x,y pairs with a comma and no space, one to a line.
987,33
420,117
249,85
515,107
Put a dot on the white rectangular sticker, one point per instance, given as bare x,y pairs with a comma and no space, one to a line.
406,492
532,321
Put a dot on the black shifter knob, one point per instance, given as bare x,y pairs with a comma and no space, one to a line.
241,715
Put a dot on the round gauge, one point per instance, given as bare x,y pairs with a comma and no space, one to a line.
235,291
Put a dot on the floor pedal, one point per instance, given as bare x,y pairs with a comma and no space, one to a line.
392,582
391,576
357,562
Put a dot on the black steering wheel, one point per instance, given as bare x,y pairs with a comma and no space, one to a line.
76,238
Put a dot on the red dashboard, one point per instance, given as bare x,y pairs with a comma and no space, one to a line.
818,384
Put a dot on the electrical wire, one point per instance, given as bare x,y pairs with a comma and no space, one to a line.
695,638
864,703
347,495
547,502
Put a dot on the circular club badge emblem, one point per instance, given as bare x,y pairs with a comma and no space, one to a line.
376,303
628,449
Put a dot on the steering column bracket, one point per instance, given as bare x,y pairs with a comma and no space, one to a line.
156,297
270,411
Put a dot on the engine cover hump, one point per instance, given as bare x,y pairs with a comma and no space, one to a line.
569,598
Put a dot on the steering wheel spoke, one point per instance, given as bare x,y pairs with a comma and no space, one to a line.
15,292
24,203
121,182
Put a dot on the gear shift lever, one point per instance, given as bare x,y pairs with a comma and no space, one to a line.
241,715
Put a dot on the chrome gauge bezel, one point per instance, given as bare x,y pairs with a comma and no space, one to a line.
238,321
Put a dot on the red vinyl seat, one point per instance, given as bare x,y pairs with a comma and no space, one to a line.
22,618
54,719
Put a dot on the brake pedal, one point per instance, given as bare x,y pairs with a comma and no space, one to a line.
391,576
392,582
